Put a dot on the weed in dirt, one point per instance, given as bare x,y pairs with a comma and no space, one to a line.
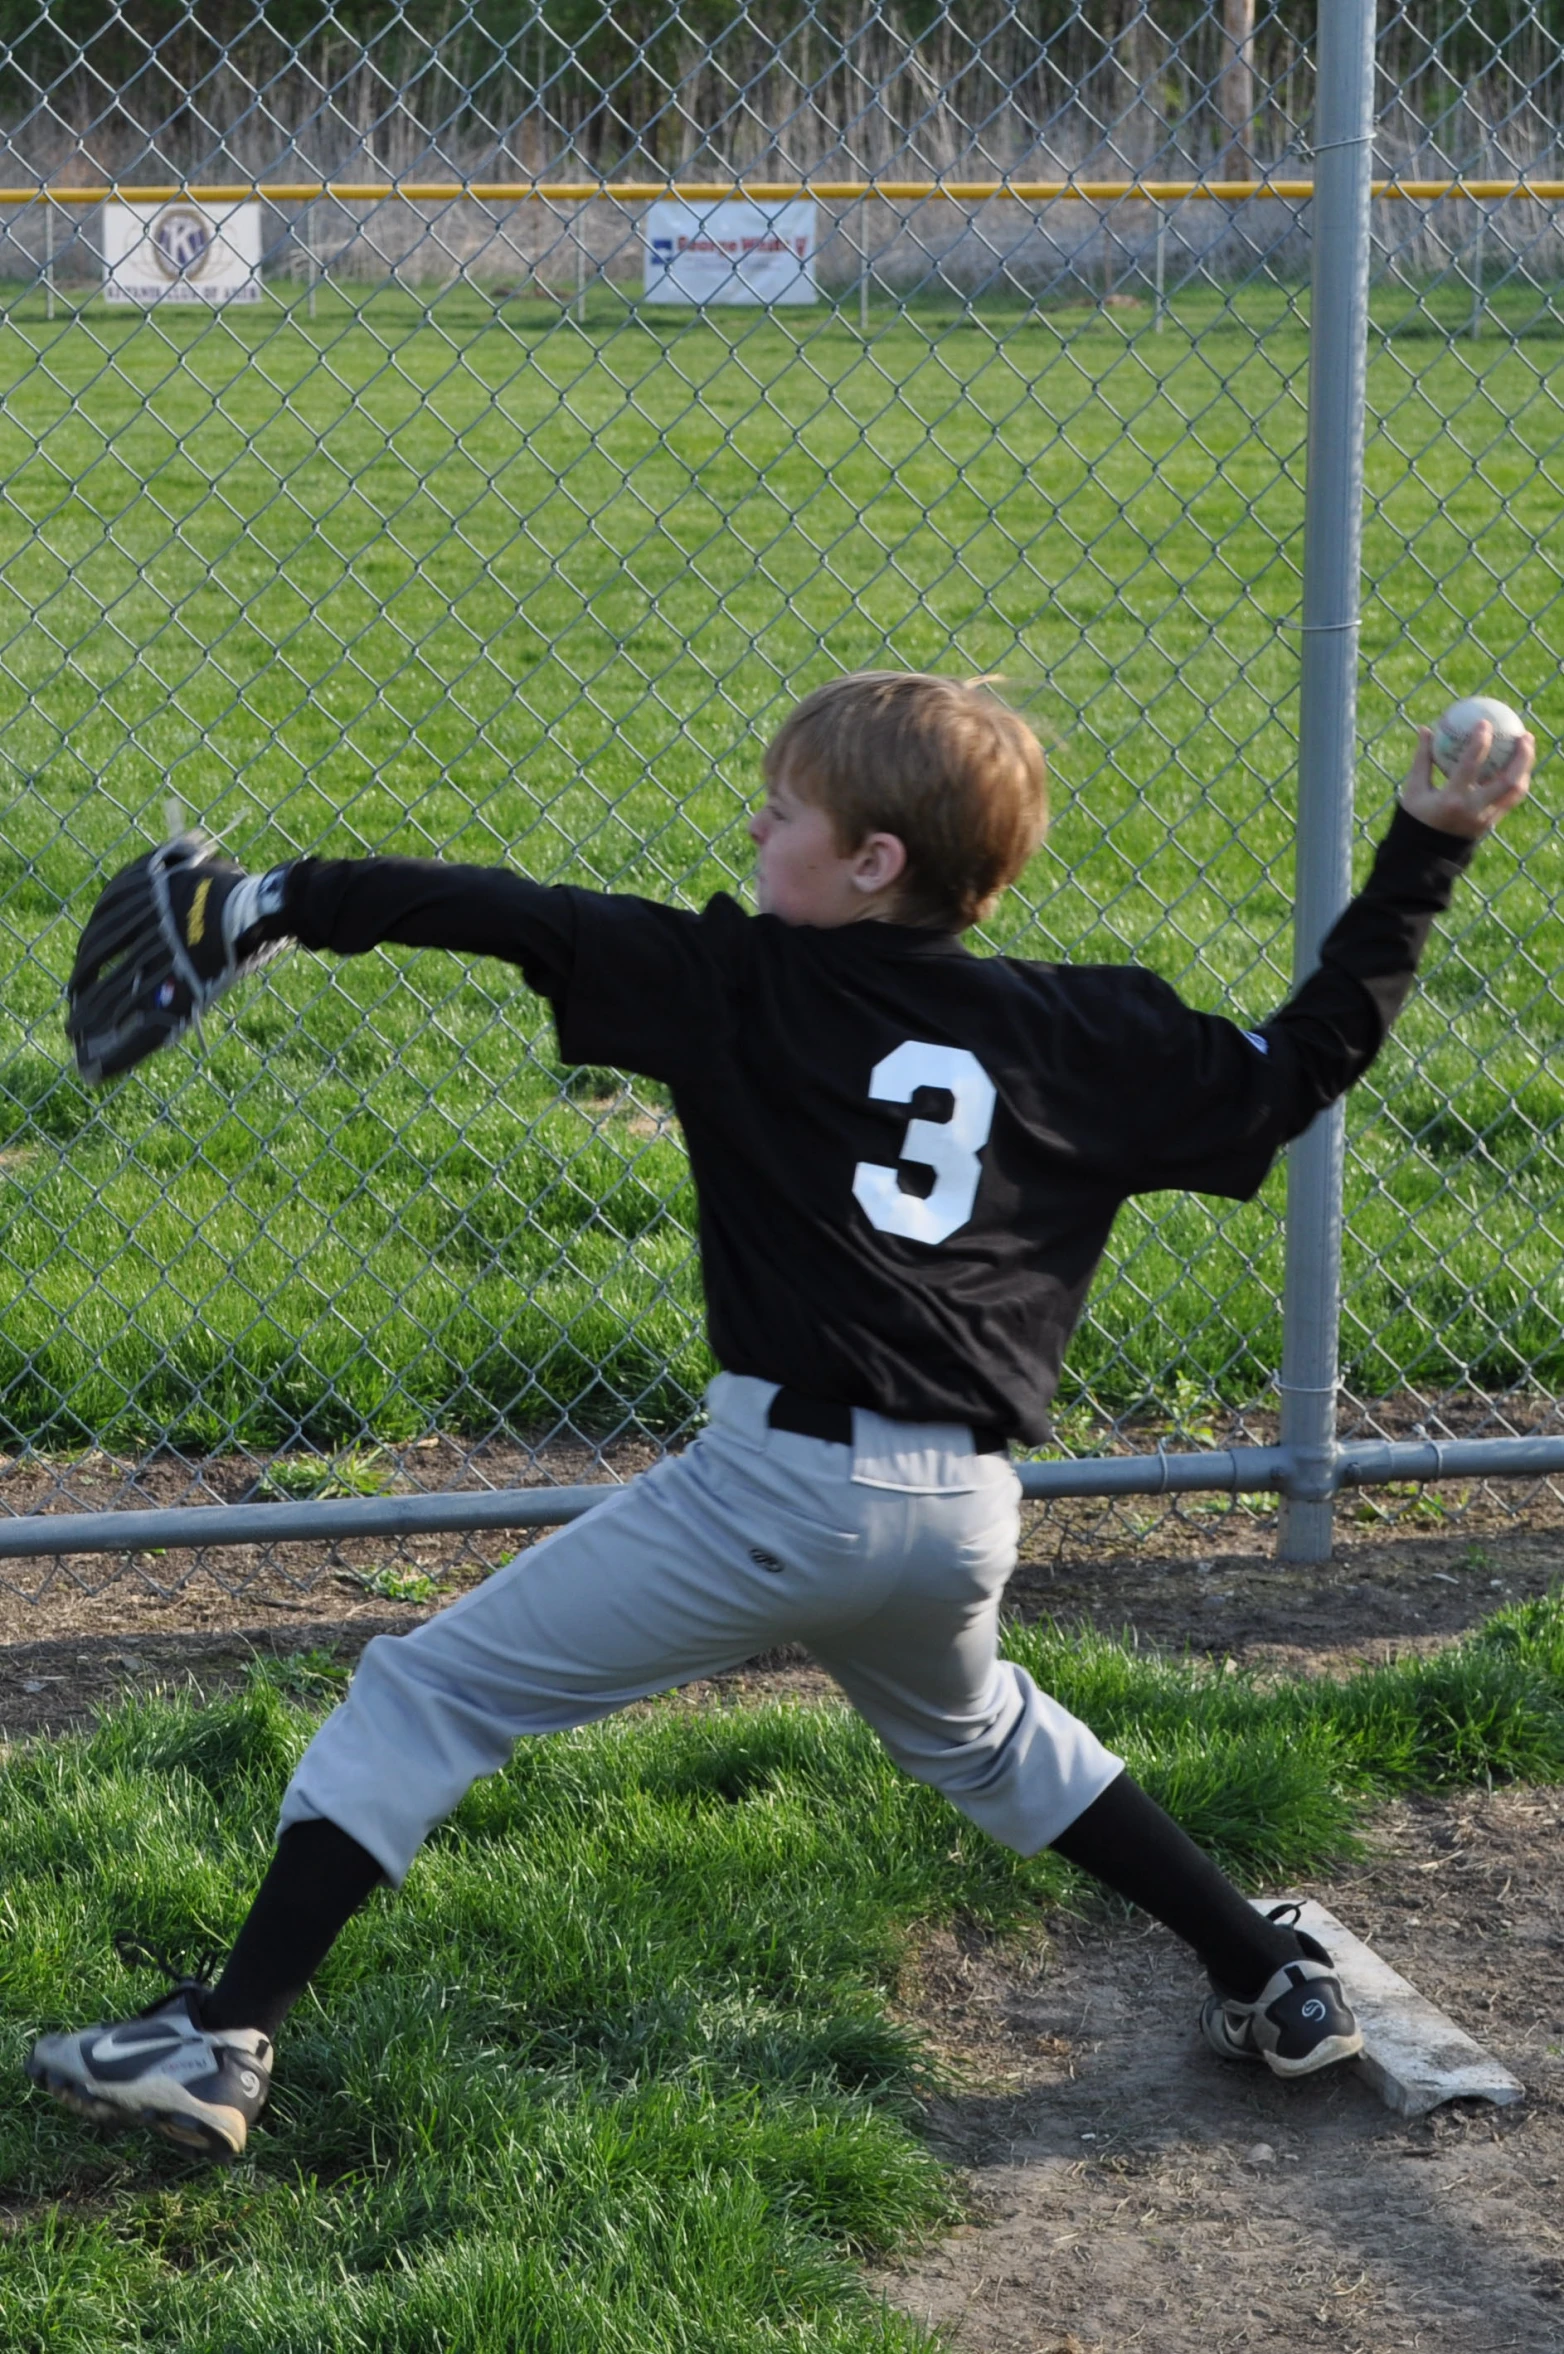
391,1585
1408,1503
352,1471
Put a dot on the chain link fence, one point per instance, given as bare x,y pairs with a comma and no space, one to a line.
470,526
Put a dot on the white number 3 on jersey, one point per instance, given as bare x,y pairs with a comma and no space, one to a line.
949,1147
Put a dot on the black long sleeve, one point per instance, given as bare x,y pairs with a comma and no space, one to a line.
349,905
1329,1031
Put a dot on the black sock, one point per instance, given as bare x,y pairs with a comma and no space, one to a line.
1126,1840
318,1879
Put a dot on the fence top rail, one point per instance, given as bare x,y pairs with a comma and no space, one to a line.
758,191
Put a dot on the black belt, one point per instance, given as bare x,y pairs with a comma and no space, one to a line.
822,1418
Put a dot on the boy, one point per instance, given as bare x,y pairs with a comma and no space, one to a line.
907,1160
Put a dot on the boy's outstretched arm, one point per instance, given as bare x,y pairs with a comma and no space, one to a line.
1329,1031
175,930
1208,1104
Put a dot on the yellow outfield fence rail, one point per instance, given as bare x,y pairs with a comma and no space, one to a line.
766,191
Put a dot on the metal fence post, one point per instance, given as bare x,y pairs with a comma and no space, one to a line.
1327,729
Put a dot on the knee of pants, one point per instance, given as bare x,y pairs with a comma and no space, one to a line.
404,1699
395,1758
1026,1776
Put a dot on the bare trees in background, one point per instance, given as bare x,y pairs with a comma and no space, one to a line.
164,89
1237,102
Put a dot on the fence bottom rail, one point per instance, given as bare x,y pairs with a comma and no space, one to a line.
1222,1471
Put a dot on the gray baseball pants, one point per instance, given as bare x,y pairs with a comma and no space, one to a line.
888,1559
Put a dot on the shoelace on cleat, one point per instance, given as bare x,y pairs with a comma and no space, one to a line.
138,1956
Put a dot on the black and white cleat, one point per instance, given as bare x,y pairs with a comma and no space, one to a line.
200,2087
1298,2022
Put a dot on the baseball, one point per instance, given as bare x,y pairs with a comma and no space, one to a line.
1457,724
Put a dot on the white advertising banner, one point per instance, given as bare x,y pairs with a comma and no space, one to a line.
730,251
182,252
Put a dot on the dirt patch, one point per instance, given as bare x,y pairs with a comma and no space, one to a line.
49,1687
288,1595
1131,2191
1379,1596
75,1633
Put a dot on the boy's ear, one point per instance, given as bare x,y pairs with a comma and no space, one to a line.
879,862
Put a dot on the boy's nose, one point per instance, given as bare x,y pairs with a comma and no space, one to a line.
757,826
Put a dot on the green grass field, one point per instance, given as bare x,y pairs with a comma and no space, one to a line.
418,576
618,2072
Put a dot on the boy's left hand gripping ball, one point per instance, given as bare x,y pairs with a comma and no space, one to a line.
169,934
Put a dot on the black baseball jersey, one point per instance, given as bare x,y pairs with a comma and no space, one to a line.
908,1157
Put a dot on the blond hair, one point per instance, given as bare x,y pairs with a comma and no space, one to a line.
940,763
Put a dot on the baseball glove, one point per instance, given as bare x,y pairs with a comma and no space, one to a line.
169,934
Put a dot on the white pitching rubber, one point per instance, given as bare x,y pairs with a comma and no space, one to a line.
1413,2055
